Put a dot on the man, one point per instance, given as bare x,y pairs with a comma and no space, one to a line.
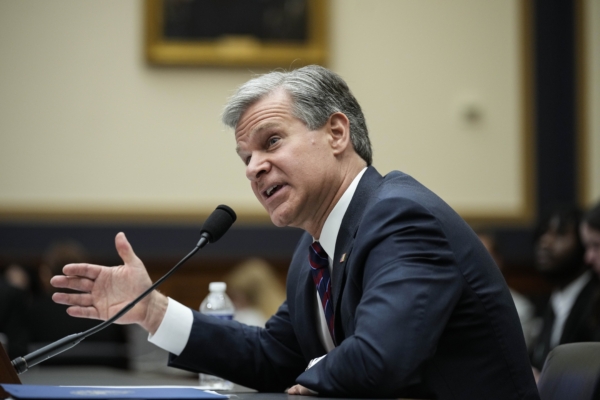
590,235
559,257
408,304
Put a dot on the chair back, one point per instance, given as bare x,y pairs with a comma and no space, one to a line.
571,371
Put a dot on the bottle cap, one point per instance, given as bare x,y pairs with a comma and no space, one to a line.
217,286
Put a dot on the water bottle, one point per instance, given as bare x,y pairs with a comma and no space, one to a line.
216,304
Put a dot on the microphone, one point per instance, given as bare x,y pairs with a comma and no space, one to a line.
215,226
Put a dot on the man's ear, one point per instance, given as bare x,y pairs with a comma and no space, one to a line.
339,130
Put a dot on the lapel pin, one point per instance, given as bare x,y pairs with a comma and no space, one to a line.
343,258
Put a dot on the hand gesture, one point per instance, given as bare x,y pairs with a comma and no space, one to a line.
106,290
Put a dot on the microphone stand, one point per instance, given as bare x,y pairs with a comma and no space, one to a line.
22,364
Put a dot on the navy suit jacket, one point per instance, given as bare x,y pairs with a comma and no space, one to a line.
421,310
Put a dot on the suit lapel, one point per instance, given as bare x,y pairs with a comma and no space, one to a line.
345,239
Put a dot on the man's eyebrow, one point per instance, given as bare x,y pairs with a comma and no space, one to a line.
258,129
266,126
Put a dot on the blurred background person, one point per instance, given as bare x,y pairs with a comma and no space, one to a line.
590,235
255,291
14,308
18,276
559,253
49,321
525,308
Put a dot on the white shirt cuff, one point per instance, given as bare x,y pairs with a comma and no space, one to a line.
174,330
314,361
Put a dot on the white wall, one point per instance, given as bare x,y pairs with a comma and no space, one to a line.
87,127
414,65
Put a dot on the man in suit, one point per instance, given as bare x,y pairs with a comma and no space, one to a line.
559,255
389,292
589,229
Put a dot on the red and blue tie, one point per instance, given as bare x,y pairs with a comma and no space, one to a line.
319,265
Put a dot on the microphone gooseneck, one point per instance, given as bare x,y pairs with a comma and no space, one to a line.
215,226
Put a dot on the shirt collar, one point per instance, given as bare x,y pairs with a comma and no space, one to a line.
563,300
333,222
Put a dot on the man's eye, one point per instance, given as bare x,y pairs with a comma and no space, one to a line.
247,160
272,140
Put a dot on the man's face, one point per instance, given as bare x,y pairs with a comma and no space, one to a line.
556,251
591,240
290,167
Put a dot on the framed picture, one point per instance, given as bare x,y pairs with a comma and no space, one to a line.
260,33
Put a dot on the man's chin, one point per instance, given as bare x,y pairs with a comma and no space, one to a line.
278,218
278,222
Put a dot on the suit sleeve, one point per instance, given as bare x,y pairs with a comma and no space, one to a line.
266,359
410,285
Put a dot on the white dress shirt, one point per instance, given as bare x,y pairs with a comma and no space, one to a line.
176,326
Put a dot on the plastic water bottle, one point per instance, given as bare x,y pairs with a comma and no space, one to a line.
216,304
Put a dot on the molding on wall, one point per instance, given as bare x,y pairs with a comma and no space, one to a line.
129,214
582,106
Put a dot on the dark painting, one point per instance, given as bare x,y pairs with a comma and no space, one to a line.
269,20
266,33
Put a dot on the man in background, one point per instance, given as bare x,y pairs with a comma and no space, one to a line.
590,235
559,258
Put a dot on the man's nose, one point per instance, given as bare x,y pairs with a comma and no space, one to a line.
257,166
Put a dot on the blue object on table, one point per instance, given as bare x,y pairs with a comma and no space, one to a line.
106,392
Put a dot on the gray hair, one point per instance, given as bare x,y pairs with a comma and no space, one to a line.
316,94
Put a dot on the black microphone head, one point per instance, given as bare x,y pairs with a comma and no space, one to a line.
218,222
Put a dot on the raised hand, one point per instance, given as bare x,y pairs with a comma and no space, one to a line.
104,291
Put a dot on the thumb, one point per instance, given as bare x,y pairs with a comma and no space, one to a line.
124,249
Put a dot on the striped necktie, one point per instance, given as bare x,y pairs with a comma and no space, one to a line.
319,265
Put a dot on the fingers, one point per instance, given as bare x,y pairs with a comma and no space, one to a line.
72,282
124,249
294,390
301,390
73,299
83,312
89,271
81,304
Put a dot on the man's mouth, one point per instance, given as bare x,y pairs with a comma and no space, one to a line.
272,190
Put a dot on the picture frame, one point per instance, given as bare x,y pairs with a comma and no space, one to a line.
236,33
